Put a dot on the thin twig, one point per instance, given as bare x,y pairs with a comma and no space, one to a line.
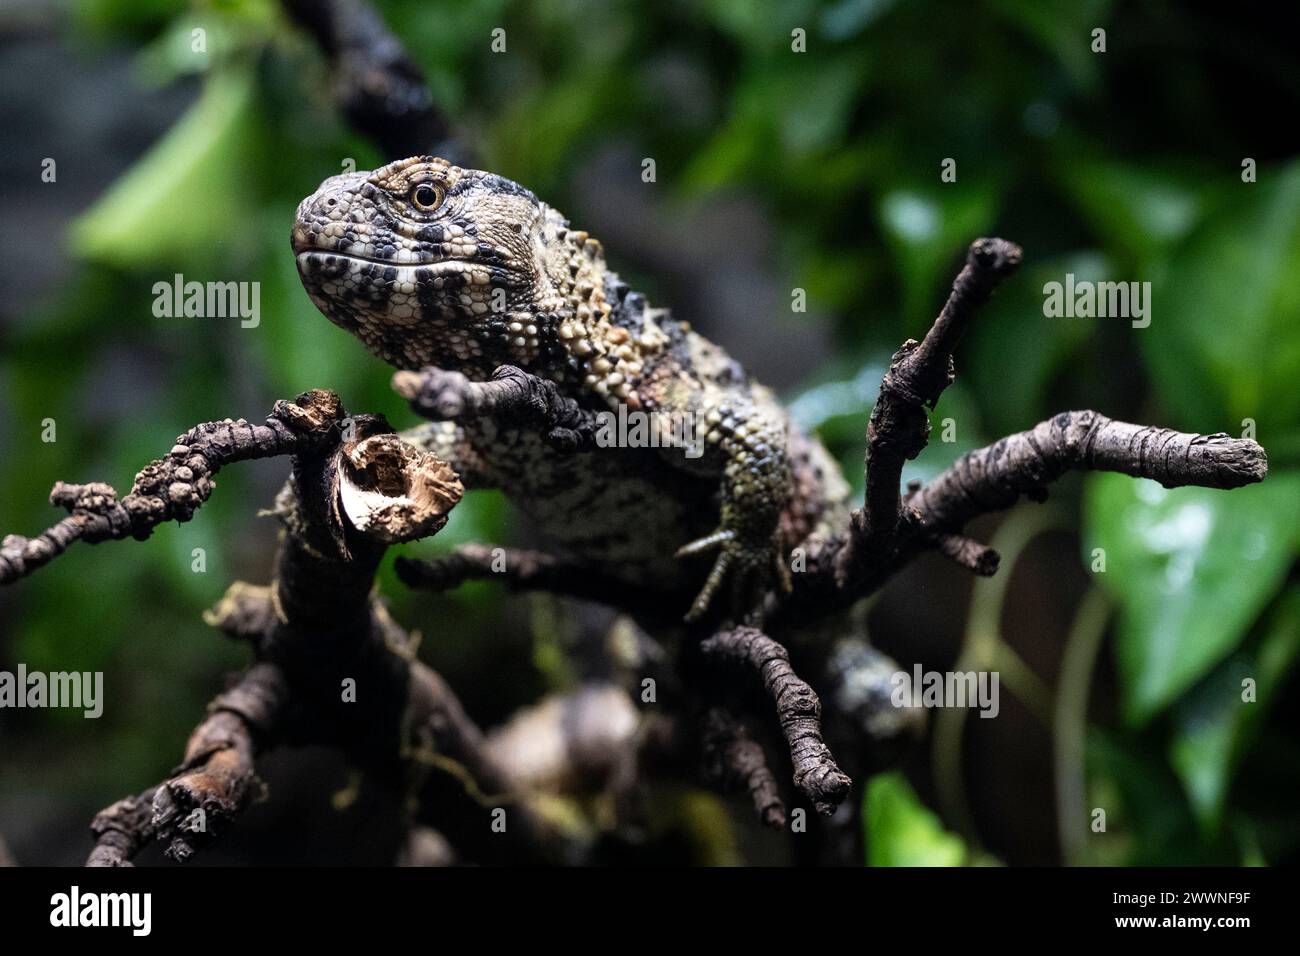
733,759
174,487
816,775
522,570
899,428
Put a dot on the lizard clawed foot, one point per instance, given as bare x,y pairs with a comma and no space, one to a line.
753,569
435,393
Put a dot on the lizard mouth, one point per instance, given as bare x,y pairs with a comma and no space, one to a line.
325,259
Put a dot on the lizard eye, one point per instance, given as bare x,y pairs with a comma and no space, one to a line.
426,197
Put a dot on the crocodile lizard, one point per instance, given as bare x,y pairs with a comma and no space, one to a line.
429,264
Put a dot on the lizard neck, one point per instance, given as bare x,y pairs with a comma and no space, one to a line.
608,334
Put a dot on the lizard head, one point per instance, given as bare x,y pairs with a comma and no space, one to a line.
431,264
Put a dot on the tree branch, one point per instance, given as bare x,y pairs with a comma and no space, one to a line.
171,488
899,428
213,784
993,478
122,830
380,89
888,531
733,759
524,570
816,775
217,776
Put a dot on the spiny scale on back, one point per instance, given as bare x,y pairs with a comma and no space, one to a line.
433,265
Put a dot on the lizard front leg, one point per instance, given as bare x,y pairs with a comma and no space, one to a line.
756,486
511,395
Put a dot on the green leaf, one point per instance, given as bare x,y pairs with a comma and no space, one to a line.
1214,724
901,831
1147,820
189,192
1138,209
928,230
1064,30
1222,346
1015,351
1191,568
834,86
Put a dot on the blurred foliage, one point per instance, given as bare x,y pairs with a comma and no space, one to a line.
1120,166
1192,569
901,831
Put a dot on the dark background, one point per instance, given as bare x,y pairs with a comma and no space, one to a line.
775,171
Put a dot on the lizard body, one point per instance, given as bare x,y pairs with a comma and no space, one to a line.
433,265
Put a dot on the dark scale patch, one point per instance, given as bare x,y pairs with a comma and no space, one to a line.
343,316
432,233
372,283
678,343
454,282
392,342
627,308
382,239
493,183
426,294
616,290
502,278
489,255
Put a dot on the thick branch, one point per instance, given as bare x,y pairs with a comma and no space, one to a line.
216,780
816,774
380,89
993,478
211,786
319,620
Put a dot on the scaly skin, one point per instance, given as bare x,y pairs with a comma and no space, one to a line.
433,265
